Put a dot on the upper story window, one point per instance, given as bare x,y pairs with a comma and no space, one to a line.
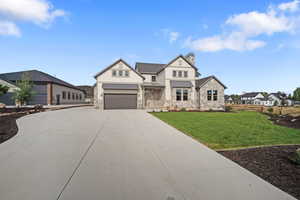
126,73
73,96
185,74
215,93
180,74
153,78
69,95
209,95
174,73
120,73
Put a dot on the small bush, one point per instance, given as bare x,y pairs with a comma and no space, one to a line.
270,110
295,158
228,108
182,109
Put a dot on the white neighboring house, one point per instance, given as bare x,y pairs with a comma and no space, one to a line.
281,99
174,85
252,97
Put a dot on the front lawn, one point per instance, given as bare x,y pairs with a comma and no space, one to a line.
231,130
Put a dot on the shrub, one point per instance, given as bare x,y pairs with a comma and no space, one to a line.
228,108
295,158
182,109
270,110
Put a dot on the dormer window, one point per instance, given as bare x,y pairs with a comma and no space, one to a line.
153,78
114,73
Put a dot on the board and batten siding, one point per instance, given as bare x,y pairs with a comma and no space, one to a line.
107,77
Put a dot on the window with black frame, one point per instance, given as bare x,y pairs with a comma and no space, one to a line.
215,93
153,78
185,95
174,73
178,94
64,95
209,95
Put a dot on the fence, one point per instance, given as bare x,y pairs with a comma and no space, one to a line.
279,110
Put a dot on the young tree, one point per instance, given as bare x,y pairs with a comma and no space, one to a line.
296,95
25,92
3,89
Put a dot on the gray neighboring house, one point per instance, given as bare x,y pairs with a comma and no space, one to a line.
174,85
48,89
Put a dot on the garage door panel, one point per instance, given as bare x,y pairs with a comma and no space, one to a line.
120,101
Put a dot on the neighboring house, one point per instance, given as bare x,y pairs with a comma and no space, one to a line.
7,98
48,90
249,98
281,99
157,86
264,101
89,93
228,99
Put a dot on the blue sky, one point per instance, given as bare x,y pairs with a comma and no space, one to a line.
249,45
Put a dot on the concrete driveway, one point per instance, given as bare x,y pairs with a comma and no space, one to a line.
87,154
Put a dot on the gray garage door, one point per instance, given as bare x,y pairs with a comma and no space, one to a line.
120,101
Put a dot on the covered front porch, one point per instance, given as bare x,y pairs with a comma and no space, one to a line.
154,96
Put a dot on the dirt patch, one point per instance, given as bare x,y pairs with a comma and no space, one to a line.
271,164
286,120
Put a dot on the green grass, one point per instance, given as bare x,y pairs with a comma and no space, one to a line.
230,130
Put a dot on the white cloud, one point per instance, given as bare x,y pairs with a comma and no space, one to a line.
9,28
36,11
172,36
234,41
256,23
245,27
40,12
292,6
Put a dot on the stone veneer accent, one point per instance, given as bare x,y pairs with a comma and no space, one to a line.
212,105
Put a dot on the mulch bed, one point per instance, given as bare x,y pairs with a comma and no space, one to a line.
9,126
271,164
286,120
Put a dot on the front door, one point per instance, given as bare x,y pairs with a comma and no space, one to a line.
57,99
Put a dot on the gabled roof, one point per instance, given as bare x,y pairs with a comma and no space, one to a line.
148,68
203,81
110,66
180,56
36,76
250,94
277,95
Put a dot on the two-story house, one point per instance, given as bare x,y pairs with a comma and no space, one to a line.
251,97
173,85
